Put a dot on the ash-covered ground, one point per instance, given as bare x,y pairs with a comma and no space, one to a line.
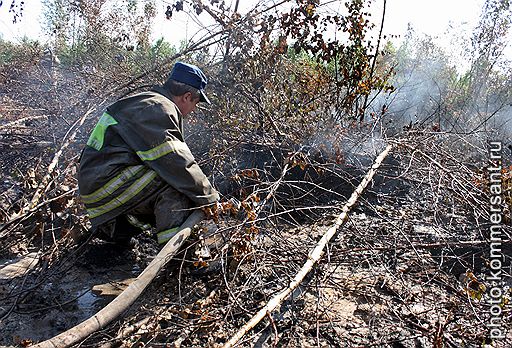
408,269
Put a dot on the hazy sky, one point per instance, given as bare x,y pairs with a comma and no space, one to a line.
441,19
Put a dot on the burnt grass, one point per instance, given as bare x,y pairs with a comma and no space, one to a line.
408,269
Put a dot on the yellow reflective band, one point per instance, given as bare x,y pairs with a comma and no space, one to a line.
164,236
98,134
111,186
124,197
162,150
137,223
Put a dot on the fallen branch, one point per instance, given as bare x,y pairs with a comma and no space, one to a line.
116,342
475,202
20,267
25,215
53,164
31,207
129,295
314,256
21,120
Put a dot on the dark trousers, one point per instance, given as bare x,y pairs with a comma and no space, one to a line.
166,209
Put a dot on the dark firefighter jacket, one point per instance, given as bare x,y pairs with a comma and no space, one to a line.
136,148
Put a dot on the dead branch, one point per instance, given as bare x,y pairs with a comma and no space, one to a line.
19,268
261,110
22,121
44,183
459,180
313,256
22,217
129,295
126,332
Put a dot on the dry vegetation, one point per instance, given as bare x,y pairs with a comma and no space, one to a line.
290,134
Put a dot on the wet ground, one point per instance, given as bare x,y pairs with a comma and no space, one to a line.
46,302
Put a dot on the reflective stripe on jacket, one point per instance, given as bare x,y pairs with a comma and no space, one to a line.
136,148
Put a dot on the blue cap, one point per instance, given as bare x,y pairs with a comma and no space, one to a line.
190,75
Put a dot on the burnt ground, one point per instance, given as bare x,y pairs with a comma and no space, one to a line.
372,288
407,270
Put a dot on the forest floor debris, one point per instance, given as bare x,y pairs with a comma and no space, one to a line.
407,270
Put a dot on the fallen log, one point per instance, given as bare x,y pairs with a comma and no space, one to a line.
129,295
20,267
313,256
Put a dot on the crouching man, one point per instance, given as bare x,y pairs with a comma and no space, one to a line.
136,162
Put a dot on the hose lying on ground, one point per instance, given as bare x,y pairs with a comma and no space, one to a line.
129,295
314,255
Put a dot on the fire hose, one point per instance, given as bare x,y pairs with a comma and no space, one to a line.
122,302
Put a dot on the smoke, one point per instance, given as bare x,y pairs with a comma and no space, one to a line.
431,93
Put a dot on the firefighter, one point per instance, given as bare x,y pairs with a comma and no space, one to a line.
137,164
